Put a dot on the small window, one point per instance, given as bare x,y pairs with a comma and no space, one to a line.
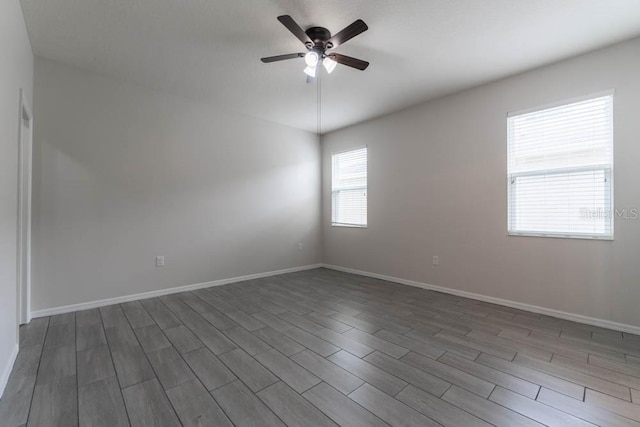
349,188
560,170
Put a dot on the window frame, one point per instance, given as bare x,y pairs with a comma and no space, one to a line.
334,192
608,170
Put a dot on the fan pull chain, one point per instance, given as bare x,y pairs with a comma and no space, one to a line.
319,103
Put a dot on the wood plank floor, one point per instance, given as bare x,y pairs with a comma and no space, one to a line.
319,348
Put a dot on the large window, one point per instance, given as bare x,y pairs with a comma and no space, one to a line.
560,170
349,188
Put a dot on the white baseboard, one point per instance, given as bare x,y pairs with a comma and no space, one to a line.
514,304
7,369
161,292
608,324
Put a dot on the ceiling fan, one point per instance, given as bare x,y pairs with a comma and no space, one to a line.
318,41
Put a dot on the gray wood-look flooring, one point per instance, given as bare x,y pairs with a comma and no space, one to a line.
319,348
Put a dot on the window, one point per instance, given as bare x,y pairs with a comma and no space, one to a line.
349,188
560,170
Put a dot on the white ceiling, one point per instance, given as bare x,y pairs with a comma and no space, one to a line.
418,49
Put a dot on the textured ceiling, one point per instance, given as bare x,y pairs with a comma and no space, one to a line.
418,49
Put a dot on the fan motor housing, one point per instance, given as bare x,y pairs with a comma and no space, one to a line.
319,35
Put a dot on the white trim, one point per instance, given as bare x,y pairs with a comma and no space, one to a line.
622,327
339,224
161,292
8,368
23,267
605,238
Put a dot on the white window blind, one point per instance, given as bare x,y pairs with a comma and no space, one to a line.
349,188
560,170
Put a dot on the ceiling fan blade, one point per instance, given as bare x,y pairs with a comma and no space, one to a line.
349,61
348,33
295,29
281,57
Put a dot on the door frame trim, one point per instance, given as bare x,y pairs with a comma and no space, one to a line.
25,160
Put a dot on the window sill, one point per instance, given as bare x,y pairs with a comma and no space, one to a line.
560,236
348,225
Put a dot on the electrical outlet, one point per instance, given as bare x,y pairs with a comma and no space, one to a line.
300,246
436,260
160,261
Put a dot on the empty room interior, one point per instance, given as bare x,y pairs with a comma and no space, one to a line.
319,213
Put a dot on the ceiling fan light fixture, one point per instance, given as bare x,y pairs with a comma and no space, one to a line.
311,59
329,64
311,71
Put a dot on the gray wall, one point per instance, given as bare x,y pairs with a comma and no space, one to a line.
123,174
437,186
16,72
